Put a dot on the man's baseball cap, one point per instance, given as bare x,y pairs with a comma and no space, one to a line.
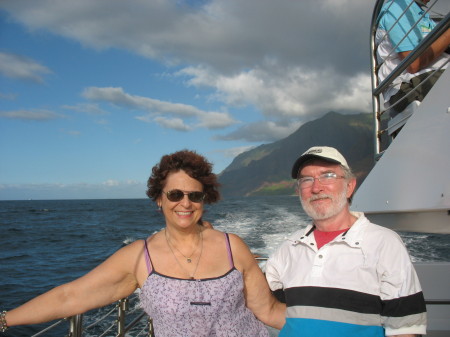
326,153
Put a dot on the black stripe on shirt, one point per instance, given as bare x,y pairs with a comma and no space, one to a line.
279,295
404,306
335,298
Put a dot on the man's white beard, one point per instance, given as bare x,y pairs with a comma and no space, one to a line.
337,205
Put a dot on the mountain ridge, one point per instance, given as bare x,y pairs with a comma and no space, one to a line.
265,170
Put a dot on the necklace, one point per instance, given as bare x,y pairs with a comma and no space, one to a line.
191,276
188,258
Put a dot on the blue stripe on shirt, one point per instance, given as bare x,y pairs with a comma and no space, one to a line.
318,328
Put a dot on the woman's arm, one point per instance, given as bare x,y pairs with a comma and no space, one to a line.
112,280
259,298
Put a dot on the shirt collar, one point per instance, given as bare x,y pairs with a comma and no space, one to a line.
353,236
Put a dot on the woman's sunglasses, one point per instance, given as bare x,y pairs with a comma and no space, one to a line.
177,195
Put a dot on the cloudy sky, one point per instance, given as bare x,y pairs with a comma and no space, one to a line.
93,93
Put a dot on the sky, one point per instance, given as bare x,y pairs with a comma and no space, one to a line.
93,93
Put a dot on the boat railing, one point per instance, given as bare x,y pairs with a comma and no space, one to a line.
121,308
112,323
115,325
145,328
384,130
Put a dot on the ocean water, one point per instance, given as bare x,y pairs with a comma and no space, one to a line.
47,243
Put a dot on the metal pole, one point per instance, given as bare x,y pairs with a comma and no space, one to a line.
151,333
76,326
121,312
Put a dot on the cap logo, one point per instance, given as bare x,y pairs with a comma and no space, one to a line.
315,151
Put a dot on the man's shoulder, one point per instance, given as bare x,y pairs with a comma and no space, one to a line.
379,229
364,225
289,241
392,15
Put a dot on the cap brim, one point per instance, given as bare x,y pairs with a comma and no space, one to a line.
303,159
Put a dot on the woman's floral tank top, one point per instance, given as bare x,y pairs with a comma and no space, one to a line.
213,307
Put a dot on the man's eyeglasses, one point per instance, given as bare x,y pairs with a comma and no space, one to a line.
177,195
325,179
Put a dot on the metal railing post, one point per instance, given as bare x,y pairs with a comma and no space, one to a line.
76,326
121,313
151,333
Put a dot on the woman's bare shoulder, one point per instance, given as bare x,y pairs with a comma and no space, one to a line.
154,239
236,240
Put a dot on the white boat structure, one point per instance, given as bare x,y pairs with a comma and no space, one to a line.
408,188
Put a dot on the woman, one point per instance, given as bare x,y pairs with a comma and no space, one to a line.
195,281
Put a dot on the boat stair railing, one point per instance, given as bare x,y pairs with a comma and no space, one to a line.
384,127
140,325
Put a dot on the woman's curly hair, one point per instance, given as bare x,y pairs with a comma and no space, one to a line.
195,165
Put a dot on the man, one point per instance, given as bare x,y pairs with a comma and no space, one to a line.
342,275
397,19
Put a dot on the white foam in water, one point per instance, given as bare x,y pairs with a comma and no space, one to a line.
128,240
258,223
238,223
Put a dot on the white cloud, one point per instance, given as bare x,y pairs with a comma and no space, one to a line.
31,115
118,97
228,35
290,60
111,182
74,133
215,120
234,151
261,132
102,122
91,109
113,189
172,123
7,96
19,67
281,93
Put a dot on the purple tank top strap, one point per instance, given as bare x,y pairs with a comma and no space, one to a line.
148,261
230,254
